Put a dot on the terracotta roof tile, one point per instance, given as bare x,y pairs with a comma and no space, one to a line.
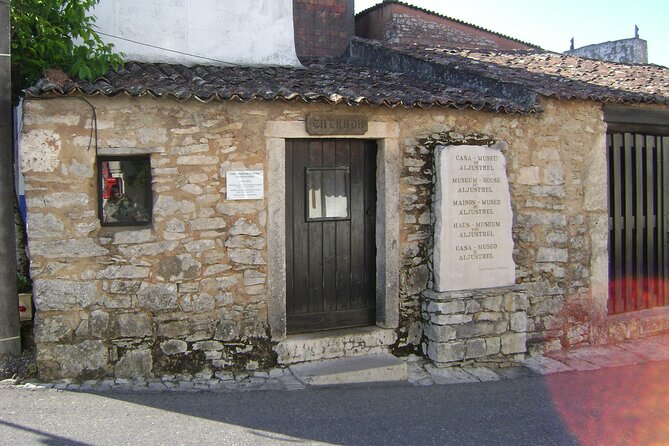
385,75
556,75
321,81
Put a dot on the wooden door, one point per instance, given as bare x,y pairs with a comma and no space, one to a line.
330,234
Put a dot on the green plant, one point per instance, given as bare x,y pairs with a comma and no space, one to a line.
23,284
57,33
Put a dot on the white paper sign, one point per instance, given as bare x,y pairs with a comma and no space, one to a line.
245,185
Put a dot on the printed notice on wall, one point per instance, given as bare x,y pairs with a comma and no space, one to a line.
244,185
473,241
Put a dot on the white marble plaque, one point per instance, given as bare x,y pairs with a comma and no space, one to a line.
244,185
473,243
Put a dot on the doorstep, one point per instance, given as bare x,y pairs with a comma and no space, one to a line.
382,367
333,344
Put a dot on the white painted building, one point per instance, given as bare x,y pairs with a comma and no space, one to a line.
193,32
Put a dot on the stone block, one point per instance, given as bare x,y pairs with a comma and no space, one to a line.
453,307
134,364
453,319
549,191
493,345
489,316
200,246
473,306
202,302
552,255
492,303
133,237
446,352
243,227
40,150
123,287
227,330
198,160
179,267
416,280
63,294
245,241
208,345
439,333
514,343
45,226
123,272
167,206
133,325
173,329
207,224
54,328
158,297
117,301
528,176
173,347
475,329
475,348
99,324
246,256
518,322
149,249
67,249
553,174
70,361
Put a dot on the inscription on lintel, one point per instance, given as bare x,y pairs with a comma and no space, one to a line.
336,124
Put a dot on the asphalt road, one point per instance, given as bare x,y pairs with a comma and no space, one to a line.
619,406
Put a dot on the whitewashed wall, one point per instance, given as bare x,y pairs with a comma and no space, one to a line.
210,32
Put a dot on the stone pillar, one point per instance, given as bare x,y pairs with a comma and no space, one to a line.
475,314
486,326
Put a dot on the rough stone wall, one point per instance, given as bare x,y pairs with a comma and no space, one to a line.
189,294
556,168
629,51
400,24
131,302
322,27
408,29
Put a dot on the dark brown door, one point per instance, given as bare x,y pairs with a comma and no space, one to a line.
330,234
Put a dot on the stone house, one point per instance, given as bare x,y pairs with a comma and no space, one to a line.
212,220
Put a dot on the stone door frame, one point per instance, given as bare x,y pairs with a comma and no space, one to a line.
388,168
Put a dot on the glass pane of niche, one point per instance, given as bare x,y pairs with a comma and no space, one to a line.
327,193
125,190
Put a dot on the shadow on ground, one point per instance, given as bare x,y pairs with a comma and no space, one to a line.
518,412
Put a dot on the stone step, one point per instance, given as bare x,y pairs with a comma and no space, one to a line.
332,344
381,367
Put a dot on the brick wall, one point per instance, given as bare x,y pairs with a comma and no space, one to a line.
322,27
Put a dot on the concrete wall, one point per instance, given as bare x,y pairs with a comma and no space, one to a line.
401,24
208,32
630,51
190,293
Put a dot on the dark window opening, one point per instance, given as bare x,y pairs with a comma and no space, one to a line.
124,190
